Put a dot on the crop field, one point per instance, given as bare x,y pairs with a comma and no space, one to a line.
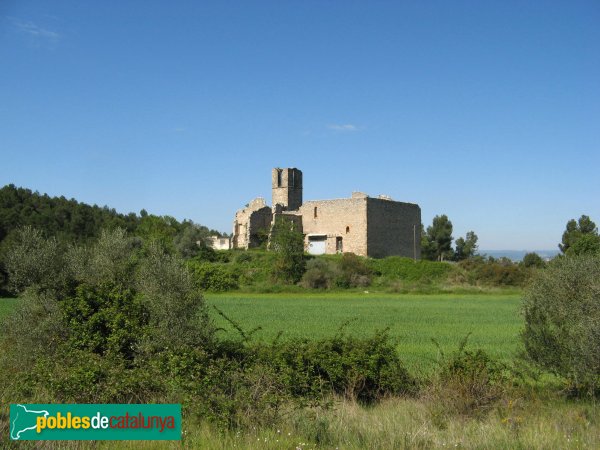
493,321
6,305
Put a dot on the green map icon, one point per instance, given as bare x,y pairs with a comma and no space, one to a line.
24,420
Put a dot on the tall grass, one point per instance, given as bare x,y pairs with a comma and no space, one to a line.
393,424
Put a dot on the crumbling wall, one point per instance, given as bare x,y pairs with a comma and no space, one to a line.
286,187
252,224
340,218
394,228
376,227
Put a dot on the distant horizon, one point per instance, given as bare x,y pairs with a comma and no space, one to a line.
517,255
551,250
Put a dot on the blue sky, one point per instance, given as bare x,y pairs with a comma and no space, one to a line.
488,112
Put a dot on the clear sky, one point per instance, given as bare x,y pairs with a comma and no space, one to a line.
488,112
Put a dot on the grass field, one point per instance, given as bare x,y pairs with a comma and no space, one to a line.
414,320
529,419
6,306
493,320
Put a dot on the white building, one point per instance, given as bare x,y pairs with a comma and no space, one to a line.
220,243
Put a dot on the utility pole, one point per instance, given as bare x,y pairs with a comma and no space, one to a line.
415,242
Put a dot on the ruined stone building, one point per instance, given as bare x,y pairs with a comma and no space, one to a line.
219,242
367,226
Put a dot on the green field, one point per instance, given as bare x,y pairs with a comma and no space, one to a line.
7,305
493,320
414,320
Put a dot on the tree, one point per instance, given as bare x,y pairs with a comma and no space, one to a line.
587,244
576,230
33,260
158,229
533,260
104,334
191,241
466,248
288,243
562,318
427,248
438,241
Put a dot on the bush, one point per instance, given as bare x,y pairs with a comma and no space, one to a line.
177,309
97,339
288,244
33,260
396,268
105,320
533,260
492,272
243,257
469,383
213,277
587,244
562,320
320,274
77,376
353,272
254,267
243,384
365,369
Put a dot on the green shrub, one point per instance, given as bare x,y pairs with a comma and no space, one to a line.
255,267
479,271
353,271
366,369
587,244
105,320
407,269
469,383
533,260
562,320
243,384
320,274
76,376
223,256
97,338
214,277
243,257
287,243
178,313
33,260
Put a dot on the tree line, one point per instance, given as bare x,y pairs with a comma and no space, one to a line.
579,238
436,242
73,222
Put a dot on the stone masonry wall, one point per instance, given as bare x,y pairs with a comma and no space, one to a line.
345,218
287,188
375,227
394,228
249,221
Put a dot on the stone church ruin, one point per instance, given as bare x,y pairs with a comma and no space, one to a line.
367,226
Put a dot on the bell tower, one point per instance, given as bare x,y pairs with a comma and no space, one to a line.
287,188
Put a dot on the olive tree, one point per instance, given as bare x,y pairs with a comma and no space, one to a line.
562,320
